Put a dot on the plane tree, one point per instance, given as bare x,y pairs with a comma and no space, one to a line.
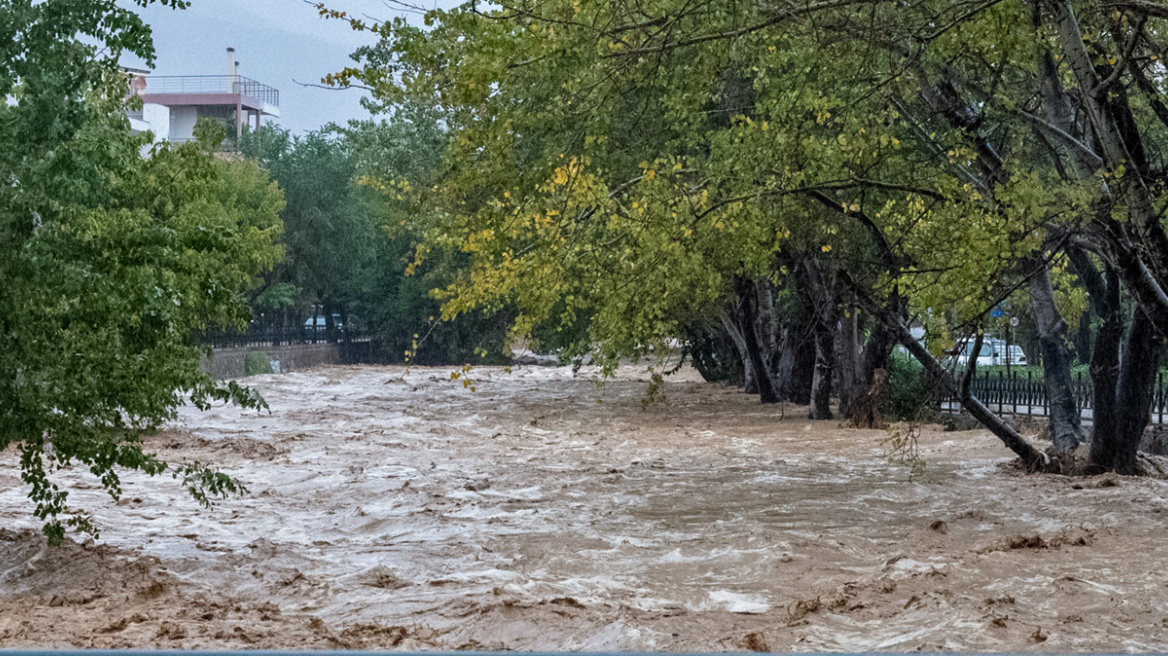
645,165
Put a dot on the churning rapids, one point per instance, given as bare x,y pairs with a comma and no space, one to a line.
397,509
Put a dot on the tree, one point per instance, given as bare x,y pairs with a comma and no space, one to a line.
111,262
328,228
636,163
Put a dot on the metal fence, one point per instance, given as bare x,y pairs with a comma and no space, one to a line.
1023,393
277,336
230,84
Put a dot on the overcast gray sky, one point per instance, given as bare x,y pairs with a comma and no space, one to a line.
277,42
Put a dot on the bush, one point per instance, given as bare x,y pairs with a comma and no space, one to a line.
256,362
908,394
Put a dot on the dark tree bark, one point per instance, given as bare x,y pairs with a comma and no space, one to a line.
1105,303
824,367
1032,458
1065,423
797,362
1123,371
817,292
848,361
748,299
1139,363
730,325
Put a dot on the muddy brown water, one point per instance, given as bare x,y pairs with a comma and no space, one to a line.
397,509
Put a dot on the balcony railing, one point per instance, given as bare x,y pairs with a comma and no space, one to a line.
229,84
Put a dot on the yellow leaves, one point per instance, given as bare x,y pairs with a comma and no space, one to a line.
650,174
826,248
561,176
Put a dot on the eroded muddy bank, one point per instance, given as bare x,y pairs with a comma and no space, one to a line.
395,509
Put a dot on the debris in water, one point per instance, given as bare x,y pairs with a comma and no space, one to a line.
802,608
755,641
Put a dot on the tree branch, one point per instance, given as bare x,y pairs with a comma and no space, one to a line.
734,34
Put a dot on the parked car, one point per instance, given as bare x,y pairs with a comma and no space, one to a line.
993,352
1012,355
319,323
985,357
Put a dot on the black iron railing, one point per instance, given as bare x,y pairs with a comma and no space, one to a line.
1024,393
276,336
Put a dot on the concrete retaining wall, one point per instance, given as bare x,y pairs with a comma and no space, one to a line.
228,362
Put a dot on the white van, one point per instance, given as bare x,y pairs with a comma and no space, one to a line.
1012,355
993,352
985,357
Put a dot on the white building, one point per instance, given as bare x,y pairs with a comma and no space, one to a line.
172,103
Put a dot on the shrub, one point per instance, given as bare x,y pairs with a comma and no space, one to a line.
908,394
256,362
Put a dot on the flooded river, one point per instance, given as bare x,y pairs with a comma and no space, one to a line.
399,509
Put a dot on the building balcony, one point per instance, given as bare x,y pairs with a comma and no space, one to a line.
210,90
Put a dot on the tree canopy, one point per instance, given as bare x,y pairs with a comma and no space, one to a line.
642,168
112,260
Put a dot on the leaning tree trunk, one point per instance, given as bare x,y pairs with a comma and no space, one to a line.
1065,424
1032,458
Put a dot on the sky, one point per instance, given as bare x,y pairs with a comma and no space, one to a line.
281,43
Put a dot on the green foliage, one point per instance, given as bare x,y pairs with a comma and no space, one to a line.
256,363
327,228
111,262
608,177
908,394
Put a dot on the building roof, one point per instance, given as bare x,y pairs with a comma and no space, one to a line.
203,90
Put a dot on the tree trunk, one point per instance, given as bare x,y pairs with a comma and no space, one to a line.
878,348
1105,375
768,322
762,377
1065,424
1139,364
797,363
824,367
729,325
848,359
820,299
1032,458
